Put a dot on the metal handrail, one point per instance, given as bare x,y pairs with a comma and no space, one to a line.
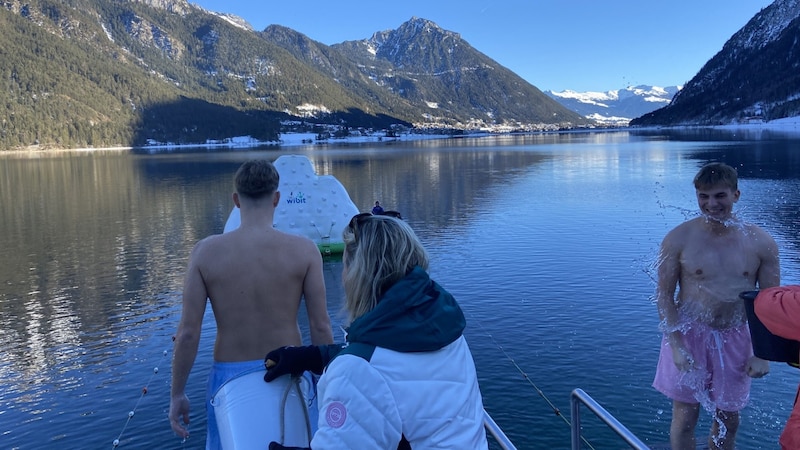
577,397
496,432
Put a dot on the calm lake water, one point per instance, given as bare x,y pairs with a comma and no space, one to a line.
547,241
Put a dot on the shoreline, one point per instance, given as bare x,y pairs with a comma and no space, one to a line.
244,142
788,125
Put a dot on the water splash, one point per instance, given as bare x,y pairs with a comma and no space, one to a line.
683,326
718,438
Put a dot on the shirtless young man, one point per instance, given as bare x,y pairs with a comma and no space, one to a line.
706,354
254,277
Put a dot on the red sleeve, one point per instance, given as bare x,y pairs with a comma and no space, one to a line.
778,308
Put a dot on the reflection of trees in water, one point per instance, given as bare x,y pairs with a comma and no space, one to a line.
438,187
332,269
95,243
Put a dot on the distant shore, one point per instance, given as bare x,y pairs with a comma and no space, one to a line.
295,139
788,125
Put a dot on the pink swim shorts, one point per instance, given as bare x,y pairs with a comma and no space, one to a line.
719,378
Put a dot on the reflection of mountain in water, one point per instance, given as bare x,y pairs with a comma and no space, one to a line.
96,244
440,186
93,238
96,237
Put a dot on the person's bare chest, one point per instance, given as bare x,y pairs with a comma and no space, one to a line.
718,267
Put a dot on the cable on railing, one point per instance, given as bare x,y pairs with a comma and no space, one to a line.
525,376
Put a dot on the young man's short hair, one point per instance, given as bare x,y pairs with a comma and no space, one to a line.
256,179
715,174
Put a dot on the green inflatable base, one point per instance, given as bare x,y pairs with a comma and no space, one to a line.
333,248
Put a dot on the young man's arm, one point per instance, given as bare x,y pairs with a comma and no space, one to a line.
316,302
769,275
769,272
187,339
669,271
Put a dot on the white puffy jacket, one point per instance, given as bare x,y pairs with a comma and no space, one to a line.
432,398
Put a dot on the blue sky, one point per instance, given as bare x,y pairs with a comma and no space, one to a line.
582,45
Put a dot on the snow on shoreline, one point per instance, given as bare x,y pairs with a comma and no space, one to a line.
788,125
785,124
294,139
244,142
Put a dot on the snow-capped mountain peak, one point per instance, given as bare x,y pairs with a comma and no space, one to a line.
616,107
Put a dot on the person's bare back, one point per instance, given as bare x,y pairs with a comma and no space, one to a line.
255,278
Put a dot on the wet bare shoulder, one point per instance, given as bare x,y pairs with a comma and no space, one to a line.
208,246
758,237
678,236
755,231
209,242
301,243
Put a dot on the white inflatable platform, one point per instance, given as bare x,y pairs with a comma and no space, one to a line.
315,206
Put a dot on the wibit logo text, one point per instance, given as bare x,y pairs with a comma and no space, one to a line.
299,198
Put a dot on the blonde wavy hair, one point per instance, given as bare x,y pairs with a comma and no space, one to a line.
379,251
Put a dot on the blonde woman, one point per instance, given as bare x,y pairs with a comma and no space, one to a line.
406,375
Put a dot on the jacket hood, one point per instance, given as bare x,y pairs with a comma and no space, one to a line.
414,315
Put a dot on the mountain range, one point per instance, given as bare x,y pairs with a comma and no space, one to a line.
754,78
616,108
99,73
126,72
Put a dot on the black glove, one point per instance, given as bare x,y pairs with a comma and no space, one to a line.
293,360
748,295
275,446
